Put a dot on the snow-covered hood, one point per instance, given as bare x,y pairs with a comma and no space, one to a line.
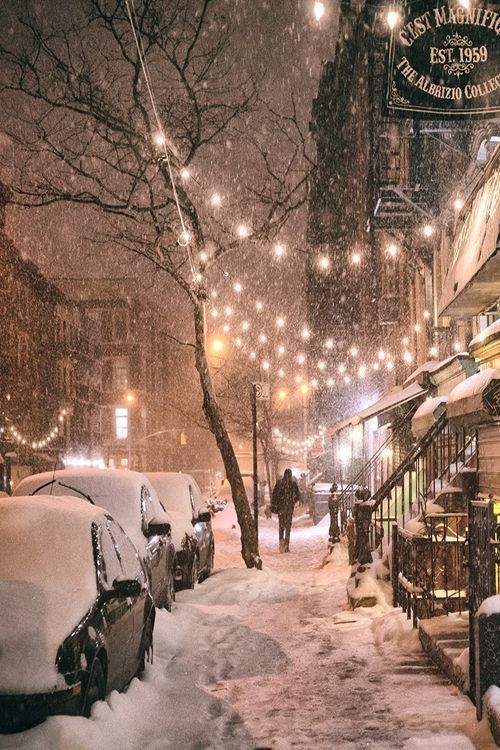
35,621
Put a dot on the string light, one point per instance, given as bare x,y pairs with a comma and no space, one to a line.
185,173
458,203
245,325
392,250
392,19
416,327
356,259
301,358
263,338
265,365
259,306
324,263
279,250
305,334
329,343
243,231
428,230
426,314
238,288
319,10
353,351
216,200
280,322
281,350
228,311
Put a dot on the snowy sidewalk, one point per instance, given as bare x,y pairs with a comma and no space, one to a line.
273,659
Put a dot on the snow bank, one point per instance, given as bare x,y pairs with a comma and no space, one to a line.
365,589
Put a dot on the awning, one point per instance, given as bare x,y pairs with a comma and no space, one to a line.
476,401
350,422
428,413
396,397
473,277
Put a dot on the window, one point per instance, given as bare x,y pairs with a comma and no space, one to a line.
121,423
111,567
147,510
120,375
131,566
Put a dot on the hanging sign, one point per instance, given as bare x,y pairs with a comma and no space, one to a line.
444,59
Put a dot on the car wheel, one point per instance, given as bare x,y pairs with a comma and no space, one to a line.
96,687
170,596
147,647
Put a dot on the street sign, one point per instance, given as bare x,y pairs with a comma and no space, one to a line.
261,391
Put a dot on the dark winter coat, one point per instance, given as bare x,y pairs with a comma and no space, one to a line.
285,494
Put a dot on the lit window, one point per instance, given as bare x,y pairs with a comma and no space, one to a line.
121,422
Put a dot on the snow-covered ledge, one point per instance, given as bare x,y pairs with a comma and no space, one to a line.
476,401
428,413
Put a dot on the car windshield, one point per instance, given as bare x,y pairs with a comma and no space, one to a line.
173,492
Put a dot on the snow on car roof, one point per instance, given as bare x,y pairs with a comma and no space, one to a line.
115,490
173,491
47,584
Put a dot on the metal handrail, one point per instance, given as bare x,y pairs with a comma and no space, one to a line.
369,465
406,464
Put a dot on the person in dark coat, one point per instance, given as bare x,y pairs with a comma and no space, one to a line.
333,507
285,495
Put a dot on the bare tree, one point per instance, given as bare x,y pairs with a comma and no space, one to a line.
78,110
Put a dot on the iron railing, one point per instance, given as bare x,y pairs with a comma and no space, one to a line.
428,573
433,461
371,475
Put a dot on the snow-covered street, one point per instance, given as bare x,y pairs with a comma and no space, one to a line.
274,659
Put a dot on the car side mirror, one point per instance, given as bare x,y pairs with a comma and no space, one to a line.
123,588
203,517
157,528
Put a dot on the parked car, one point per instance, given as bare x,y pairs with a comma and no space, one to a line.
183,501
77,615
133,502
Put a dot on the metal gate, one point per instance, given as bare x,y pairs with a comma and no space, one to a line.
483,575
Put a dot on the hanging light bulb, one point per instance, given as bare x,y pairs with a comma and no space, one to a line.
228,311
243,231
356,259
237,287
185,173
259,306
319,10
184,238
426,314
456,346
342,369
214,313
406,341
354,351
245,325
321,365
392,250
381,354
329,343
280,322
281,373
408,358
458,203
324,263
428,230
279,250
392,19
159,139
305,334
226,327
203,257
330,382
263,338
239,343
216,200
265,365
416,327
281,350
301,358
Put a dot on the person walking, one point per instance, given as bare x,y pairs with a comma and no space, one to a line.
333,507
285,495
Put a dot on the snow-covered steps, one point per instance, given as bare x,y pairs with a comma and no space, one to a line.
446,641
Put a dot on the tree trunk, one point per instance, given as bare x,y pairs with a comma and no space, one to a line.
213,414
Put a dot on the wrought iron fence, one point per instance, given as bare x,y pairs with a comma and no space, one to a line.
429,577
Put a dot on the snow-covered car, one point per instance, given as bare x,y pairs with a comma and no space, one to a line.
132,501
183,501
77,615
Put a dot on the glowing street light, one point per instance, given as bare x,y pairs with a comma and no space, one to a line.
217,345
